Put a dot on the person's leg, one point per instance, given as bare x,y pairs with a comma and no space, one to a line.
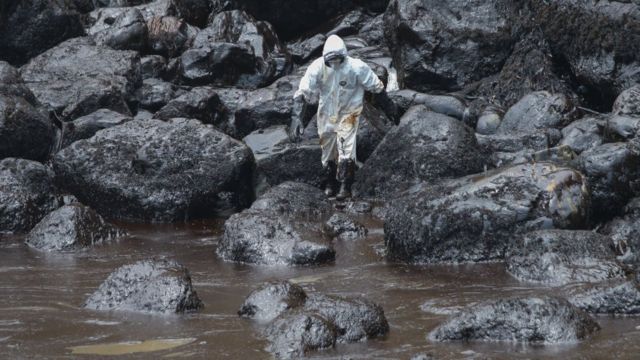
347,160
328,143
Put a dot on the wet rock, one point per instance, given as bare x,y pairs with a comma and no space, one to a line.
153,66
426,146
531,67
30,27
150,286
624,232
628,102
220,64
559,257
27,194
543,319
515,148
621,127
12,84
305,50
355,319
128,32
537,111
474,218
583,134
72,227
270,59
86,126
373,31
156,93
202,103
291,337
195,12
489,121
170,36
342,227
611,170
359,207
442,104
77,78
160,171
440,45
599,41
25,131
270,300
279,229
620,297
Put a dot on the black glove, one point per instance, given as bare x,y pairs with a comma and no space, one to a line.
390,108
297,113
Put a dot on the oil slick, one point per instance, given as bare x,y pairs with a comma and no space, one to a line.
130,347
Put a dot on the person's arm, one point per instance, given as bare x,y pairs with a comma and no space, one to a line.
373,84
307,90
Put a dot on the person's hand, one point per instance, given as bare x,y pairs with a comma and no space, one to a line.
296,129
387,106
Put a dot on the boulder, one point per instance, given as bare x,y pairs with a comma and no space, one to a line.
30,27
611,170
12,84
598,41
474,218
149,286
271,300
270,57
78,77
195,12
27,194
170,36
510,149
583,134
443,104
293,336
156,93
537,111
537,319
127,32
559,257
304,50
25,131
619,297
621,127
202,103
426,146
489,120
624,232
160,171
342,227
280,228
628,102
445,45
220,64
86,126
72,227
153,66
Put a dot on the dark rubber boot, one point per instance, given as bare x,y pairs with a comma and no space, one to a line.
330,176
346,173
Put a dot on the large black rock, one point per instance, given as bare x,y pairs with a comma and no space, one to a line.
611,170
624,231
72,227
426,146
29,27
86,126
445,45
161,171
170,36
559,257
628,102
27,194
583,134
77,78
150,286
619,297
281,228
475,218
311,321
537,111
127,32
543,319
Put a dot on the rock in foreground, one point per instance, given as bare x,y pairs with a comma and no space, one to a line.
160,171
147,286
618,297
544,319
71,227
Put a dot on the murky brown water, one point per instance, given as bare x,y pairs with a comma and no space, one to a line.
42,295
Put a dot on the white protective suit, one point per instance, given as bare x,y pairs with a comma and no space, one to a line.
341,95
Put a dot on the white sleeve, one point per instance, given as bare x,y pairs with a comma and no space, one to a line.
309,84
369,79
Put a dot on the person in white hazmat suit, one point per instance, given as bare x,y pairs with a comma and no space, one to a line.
339,81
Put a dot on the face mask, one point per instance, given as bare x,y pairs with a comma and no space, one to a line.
333,60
